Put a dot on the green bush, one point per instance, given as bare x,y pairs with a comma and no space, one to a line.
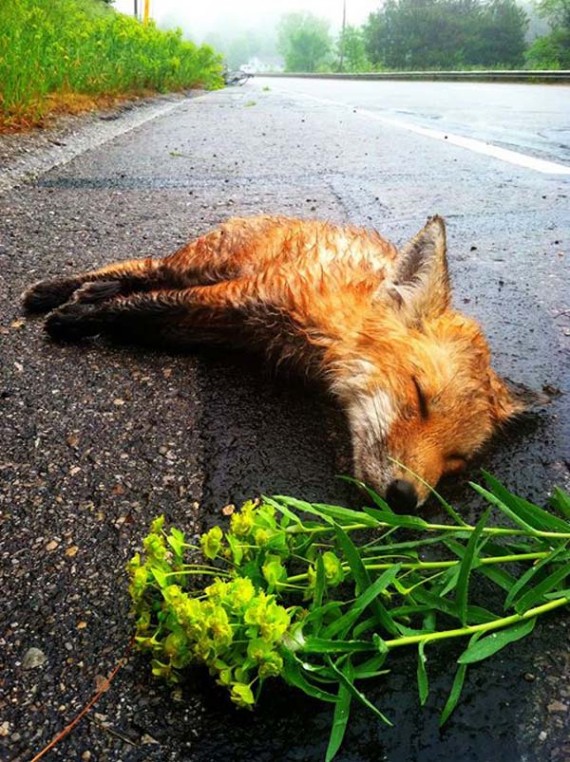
66,47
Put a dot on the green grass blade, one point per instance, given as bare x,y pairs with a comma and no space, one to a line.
467,563
487,646
341,715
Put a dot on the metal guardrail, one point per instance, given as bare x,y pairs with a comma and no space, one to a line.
531,77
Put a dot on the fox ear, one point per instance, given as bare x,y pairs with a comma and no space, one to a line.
511,399
421,281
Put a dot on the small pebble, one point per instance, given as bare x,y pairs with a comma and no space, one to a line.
33,658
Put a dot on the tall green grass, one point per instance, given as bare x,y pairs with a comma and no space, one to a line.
51,50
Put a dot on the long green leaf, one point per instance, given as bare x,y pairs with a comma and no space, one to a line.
396,519
371,667
365,599
293,674
362,579
467,562
497,575
423,684
532,514
530,573
327,512
536,594
356,693
331,646
340,514
513,515
494,642
341,715
374,496
282,508
561,501
454,694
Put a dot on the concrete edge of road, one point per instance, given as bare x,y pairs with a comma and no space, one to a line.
73,135
530,77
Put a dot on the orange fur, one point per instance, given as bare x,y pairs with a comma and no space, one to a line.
373,323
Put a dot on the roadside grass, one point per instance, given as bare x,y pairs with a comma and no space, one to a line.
71,55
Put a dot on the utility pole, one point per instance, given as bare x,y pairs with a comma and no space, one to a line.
341,62
146,11
136,13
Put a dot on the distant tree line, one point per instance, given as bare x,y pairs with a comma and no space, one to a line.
429,34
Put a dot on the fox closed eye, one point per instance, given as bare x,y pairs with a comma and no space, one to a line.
422,400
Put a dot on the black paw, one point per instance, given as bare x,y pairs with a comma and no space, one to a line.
97,291
72,322
48,294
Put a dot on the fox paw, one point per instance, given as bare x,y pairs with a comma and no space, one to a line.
48,294
72,322
97,291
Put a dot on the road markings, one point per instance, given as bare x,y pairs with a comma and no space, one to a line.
471,144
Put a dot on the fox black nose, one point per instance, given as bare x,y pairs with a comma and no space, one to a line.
401,496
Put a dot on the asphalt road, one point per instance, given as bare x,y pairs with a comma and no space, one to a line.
97,440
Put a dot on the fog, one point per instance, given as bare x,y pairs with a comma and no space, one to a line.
201,21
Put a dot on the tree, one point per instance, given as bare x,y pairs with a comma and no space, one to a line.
304,41
556,11
552,51
352,50
437,34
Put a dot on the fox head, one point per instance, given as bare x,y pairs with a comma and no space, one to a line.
420,394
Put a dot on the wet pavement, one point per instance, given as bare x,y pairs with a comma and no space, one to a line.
97,440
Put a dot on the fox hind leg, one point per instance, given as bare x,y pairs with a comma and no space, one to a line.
166,317
127,277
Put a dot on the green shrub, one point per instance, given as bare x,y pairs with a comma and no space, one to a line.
66,47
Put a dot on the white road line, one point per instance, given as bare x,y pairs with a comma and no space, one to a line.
477,146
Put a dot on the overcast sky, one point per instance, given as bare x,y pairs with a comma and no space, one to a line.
200,18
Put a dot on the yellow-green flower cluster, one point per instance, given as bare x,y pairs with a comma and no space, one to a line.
254,535
235,625
234,629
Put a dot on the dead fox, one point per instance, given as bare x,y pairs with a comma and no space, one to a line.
372,323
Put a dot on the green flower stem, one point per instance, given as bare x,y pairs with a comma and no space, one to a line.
447,564
497,624
497,531
199,572
468,528
420,565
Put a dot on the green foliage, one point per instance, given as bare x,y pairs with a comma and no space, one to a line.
83,47
446,34
288,591
552,51
555,11
352,50
304,41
